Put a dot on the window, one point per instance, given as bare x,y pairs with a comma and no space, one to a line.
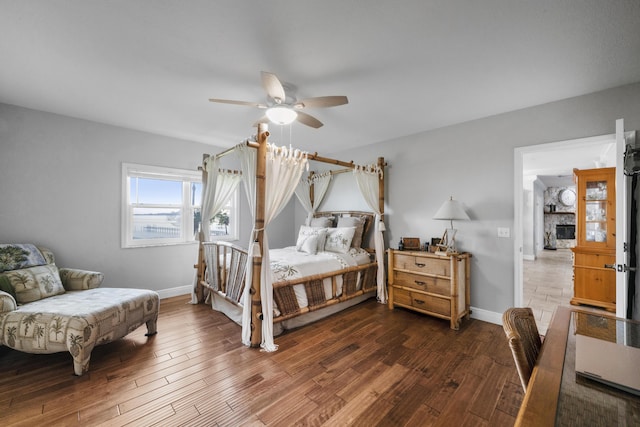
161,206
224,225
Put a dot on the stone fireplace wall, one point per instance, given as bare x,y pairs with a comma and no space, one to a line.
561,215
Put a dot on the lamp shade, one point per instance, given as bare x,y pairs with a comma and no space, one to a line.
281,115
451,209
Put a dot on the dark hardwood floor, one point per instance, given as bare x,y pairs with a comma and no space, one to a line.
365,366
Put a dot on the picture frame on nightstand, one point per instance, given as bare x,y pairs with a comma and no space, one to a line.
411,243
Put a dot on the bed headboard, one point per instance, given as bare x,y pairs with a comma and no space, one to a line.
368,217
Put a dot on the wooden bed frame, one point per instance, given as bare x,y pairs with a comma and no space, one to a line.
226,277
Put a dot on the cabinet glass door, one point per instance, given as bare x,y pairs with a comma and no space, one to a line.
596,211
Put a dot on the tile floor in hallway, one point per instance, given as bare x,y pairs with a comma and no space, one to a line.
548,283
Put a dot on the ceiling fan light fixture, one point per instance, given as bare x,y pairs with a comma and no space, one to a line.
281,115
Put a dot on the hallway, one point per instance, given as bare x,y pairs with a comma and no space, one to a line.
548,283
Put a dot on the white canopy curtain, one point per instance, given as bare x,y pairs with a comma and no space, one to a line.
216,192
320,184
248,158
368,181
283,169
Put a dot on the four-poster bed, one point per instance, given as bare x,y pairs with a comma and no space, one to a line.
282,285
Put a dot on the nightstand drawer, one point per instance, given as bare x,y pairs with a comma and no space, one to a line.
432,265
401,296
423,283
422,301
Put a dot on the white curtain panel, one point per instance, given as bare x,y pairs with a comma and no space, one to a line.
225,184
320,184
209,188
367,178
284,167
216,192
248,163
248,157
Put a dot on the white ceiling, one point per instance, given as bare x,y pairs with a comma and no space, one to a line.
406,66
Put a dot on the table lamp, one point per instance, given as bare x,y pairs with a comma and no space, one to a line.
450,210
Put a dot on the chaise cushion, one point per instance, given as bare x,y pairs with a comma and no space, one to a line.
34,283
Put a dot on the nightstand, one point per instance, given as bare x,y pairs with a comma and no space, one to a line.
433,284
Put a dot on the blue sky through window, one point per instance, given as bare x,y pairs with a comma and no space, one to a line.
158,191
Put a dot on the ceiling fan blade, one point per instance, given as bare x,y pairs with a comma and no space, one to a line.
230,101
308,120
322,102
273,87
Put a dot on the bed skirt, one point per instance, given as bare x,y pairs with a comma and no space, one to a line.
234,312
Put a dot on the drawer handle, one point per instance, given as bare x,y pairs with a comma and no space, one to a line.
611,266
419,265
420,283
418,301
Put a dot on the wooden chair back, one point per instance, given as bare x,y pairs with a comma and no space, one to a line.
524,340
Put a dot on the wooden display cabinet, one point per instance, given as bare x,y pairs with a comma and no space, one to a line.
594,277
437,285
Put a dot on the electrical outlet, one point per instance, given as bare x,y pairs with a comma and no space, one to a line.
504,232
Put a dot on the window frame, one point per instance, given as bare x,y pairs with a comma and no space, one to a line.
187,210
186,177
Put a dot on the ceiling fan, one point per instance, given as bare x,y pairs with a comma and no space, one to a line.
283,109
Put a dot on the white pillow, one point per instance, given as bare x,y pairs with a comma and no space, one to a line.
324,221
339,239
358,223
306,231
309,246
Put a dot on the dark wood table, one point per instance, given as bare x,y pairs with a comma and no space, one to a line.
557,397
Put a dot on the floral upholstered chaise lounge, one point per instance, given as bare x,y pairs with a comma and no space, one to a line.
44,309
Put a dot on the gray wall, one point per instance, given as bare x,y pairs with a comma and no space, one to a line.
61,188
474,163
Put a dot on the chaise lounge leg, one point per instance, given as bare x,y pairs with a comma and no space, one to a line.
151,327
81,359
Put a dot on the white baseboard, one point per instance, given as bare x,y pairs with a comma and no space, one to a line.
529,257
476,313
486,315
174,292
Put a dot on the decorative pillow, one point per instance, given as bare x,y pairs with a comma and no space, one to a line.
339,239
323,221
310,245
358,223
15,256
5,285
35,283
306,231
47,254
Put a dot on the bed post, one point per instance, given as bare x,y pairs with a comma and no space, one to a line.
381,187
200,266
256,300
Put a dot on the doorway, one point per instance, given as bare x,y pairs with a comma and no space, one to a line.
549,272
